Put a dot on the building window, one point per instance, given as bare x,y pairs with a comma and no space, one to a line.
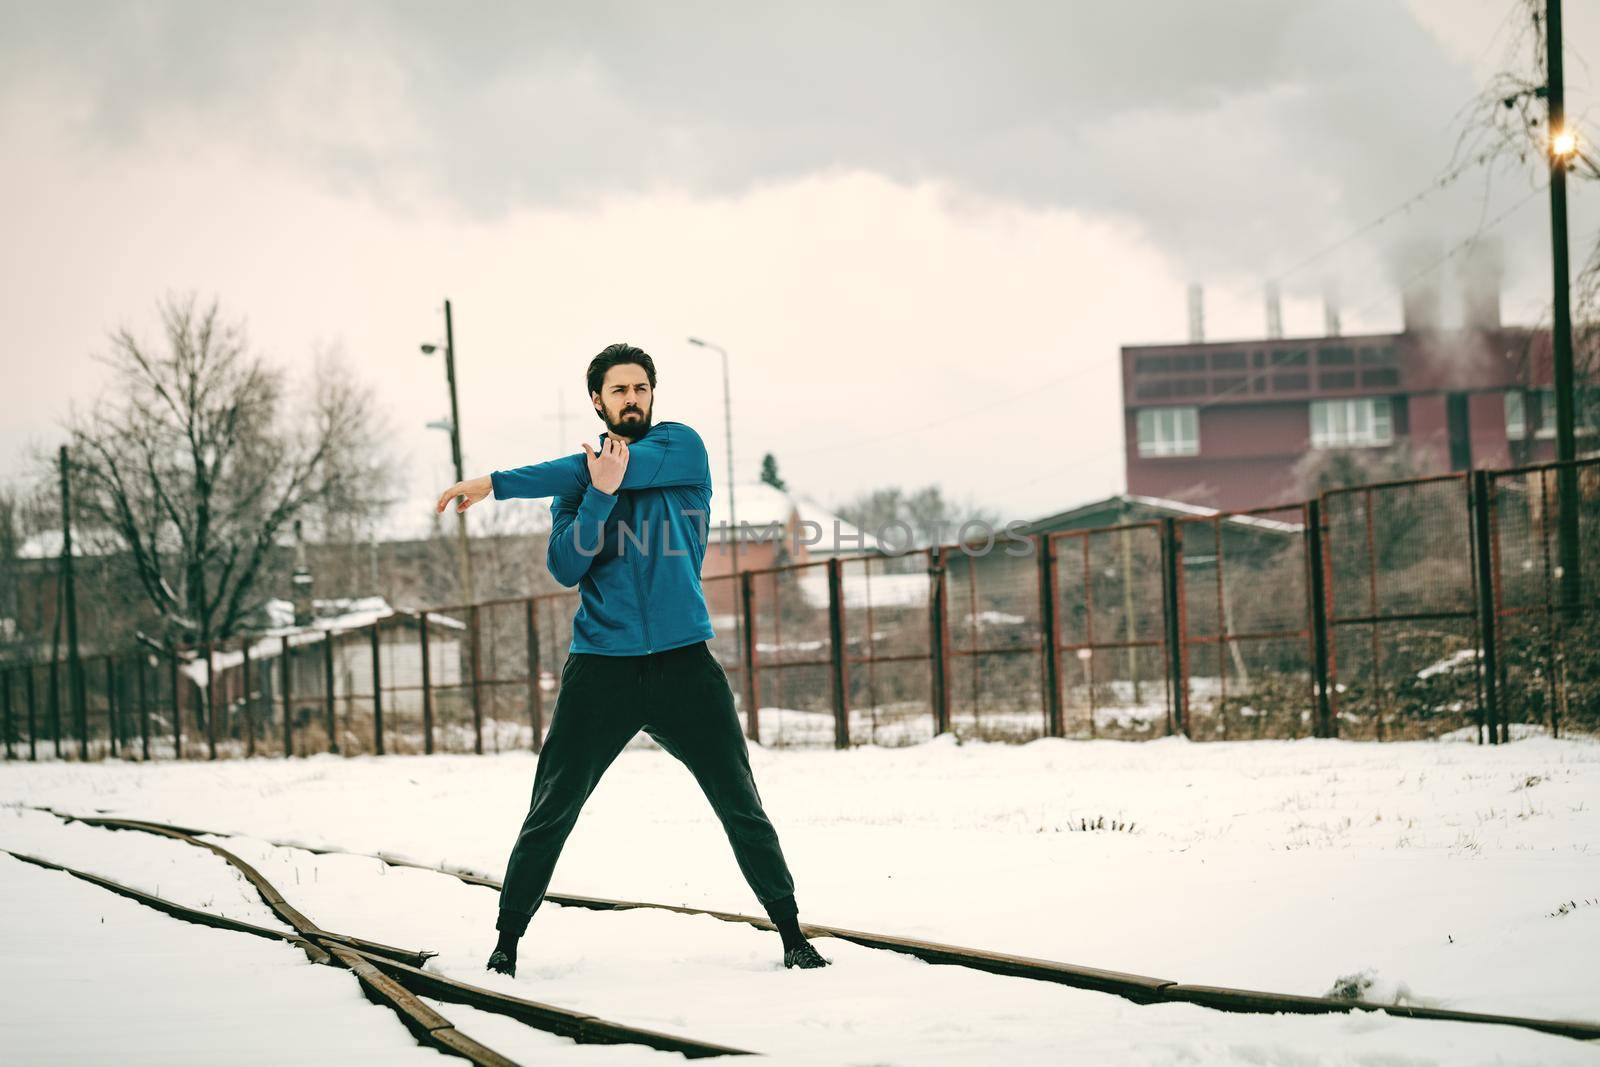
1544,406
1361,422
1169,432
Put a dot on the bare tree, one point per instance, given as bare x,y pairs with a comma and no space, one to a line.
930,517
194,469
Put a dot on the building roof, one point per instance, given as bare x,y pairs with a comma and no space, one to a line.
1123,507
763,507
330,617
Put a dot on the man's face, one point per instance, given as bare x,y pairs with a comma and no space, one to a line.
623,401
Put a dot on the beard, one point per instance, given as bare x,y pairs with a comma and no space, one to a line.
631,422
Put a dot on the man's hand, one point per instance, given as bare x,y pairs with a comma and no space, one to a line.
607,466
470,491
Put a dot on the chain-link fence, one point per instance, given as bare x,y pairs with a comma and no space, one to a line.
1455,605
994,672
790,635
1546,596
1402,607
886,608
1112,650
1247,633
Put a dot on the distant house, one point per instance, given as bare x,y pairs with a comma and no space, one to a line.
776,528
347,624
1124,508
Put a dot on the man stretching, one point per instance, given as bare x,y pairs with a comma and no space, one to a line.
628,527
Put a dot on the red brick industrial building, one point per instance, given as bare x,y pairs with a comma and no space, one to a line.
1233,424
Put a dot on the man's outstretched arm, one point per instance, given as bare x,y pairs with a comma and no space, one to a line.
603,470
671,454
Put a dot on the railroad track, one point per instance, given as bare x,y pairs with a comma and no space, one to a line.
1141,989
391,976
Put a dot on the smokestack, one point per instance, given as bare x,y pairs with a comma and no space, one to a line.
1420,306
1274,312
1416,264
1481,274
1197,314
1330,311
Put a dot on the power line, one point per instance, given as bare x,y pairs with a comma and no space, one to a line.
1437,185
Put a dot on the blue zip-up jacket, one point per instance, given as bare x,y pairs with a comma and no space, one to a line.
634,555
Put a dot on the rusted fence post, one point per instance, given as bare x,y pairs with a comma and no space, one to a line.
1049,635
1322,722
427,686
327,692
1172,593
244,696
211,702
285,677
377,691
177,702
535,695
939,642
55,703
839,665
752,687
1488,615
33,732
477,699
144,705
113,720
5,702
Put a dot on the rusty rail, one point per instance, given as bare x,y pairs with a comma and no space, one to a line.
392,976
1140,989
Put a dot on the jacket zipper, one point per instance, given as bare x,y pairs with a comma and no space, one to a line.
644,615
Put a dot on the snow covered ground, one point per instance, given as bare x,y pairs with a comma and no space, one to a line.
1441,873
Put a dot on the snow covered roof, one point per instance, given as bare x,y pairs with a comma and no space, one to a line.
1062,519
330,616
761,507
879,591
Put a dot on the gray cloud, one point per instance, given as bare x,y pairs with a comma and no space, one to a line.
1231,131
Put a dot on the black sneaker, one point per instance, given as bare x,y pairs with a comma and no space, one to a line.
499,961
803,955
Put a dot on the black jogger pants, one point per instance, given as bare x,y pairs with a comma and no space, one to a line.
679,697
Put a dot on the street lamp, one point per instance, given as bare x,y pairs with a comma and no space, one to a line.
727,422
453,425
1564,145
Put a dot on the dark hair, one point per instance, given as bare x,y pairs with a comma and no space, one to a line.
612,355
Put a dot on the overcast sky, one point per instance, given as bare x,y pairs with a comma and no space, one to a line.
921,229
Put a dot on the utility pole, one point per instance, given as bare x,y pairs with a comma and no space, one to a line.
80,712
727,426
455,446
563,443
1561,149
738,585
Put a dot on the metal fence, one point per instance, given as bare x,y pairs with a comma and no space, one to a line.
1463,605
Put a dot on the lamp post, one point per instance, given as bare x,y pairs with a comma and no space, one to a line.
727,423
1563,146
454,426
